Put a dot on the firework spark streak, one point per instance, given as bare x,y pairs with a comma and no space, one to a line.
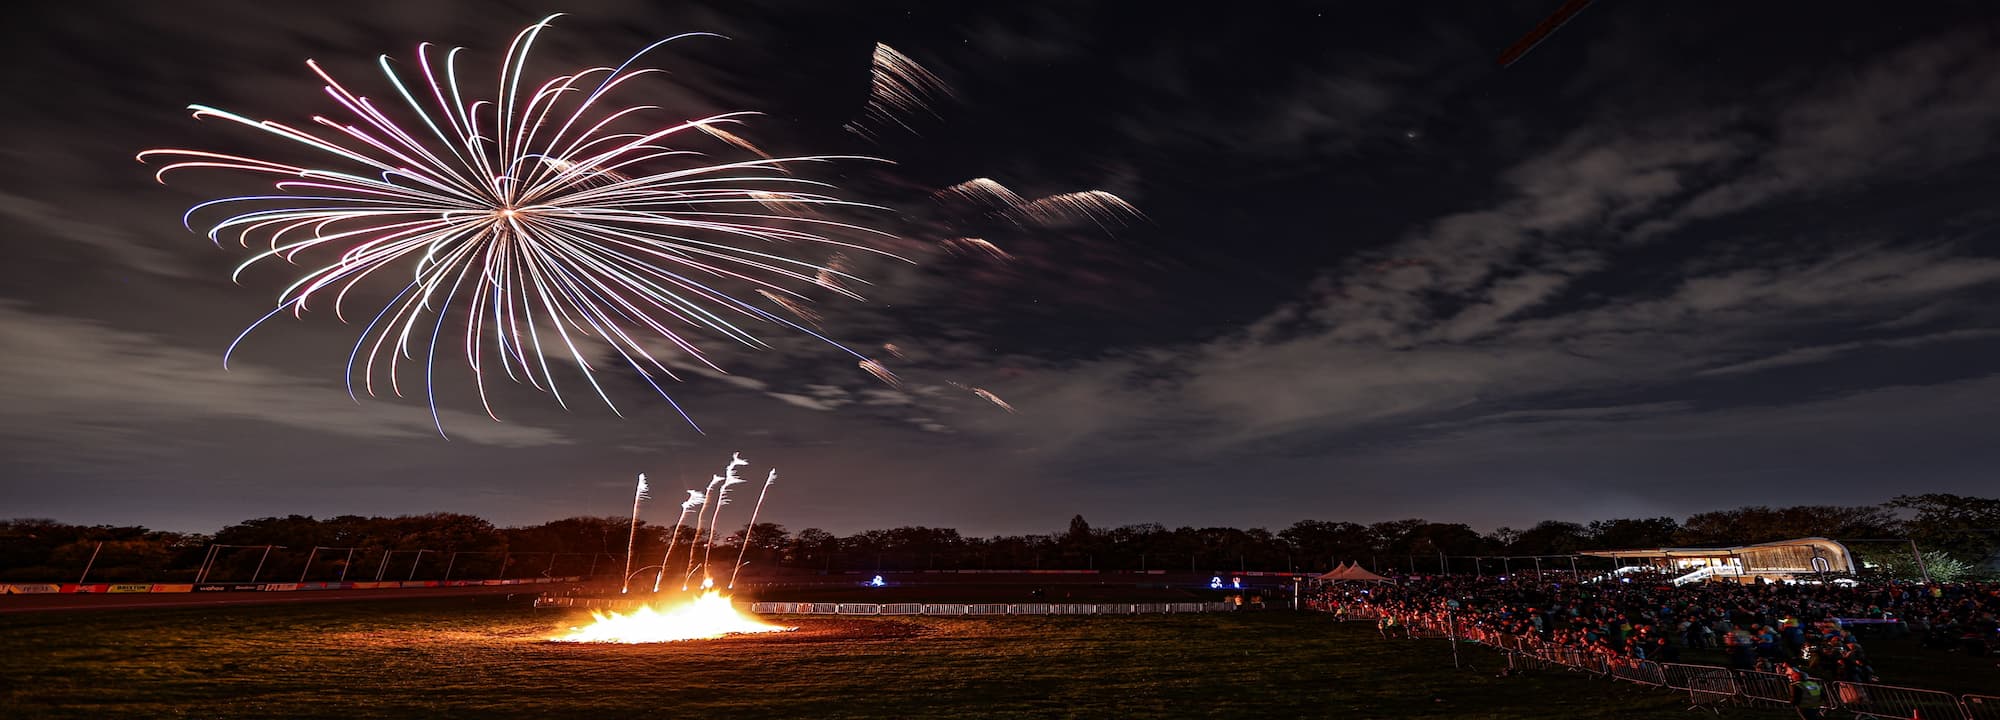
698,517
751,527
729,479
632,538
900,86
992,398
882,373
694,501
549,221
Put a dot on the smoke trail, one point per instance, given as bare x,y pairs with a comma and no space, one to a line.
632,540
709,493
751,528
728,479
695,499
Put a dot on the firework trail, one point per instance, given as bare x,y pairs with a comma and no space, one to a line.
695,500
882,373
894,352
698,517
992,398
805,314
968,246
729,479
1095,206
833,276
901,86
538,219
751,528
632,539
985,191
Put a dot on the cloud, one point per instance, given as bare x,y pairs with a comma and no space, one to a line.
74,381
1567,287
1927,106
1823,353
53,226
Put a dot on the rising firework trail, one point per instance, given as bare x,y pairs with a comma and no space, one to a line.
632,538
547,220
751,527
698,517
729,479
694,501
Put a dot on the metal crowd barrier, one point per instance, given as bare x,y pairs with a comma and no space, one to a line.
1705,685
1644,672
1767,689
1894,703
1982,707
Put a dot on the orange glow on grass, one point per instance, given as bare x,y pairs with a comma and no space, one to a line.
708,615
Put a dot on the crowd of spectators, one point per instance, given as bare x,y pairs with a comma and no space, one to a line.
1756,626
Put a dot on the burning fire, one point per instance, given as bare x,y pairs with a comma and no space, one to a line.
709,615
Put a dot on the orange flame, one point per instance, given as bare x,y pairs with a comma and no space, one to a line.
710,615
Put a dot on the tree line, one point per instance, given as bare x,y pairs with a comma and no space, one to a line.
1958,531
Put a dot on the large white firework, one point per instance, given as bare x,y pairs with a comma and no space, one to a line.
549,221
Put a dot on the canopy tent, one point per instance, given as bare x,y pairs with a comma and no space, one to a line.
1351,572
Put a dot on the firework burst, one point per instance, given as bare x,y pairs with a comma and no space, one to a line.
549,221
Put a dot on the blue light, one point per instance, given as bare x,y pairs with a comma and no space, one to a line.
876,582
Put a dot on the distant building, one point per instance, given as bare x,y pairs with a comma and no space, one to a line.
1802,558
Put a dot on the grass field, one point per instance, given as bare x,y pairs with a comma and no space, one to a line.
484,658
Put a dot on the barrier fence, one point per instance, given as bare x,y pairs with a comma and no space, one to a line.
952,609
1982,707
1707,685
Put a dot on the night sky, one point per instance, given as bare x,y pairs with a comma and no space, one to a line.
1683,256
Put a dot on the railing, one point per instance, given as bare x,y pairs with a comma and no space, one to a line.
1982,707
1764,689
1704,685
952,609
1889,701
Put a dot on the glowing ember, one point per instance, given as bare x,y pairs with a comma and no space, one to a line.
709,616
